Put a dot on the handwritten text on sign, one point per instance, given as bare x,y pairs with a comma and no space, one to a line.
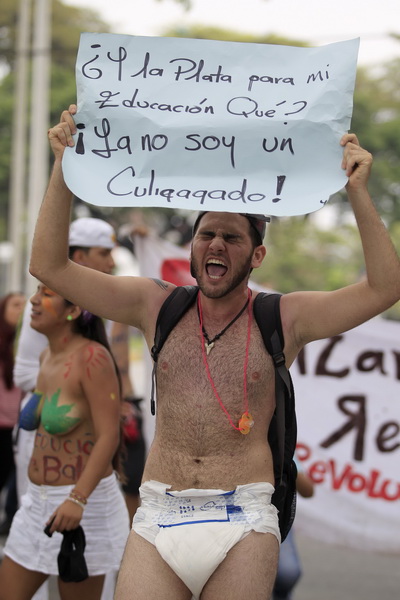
210,125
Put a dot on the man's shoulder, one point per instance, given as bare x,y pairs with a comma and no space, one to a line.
178,297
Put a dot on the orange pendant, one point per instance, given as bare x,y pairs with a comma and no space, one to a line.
245,423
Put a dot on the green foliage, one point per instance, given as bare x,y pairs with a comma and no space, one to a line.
6,108
8,20
67,24
295,243
301,257
376,120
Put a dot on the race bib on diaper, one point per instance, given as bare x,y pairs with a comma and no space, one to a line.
190,509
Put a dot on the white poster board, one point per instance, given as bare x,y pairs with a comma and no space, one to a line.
200,124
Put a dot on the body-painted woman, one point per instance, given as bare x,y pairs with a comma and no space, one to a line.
76,413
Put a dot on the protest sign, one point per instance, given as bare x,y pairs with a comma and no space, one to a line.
201,124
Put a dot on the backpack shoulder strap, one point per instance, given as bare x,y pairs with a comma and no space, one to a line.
172,310
267,314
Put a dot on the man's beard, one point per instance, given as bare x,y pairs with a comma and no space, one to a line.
242,275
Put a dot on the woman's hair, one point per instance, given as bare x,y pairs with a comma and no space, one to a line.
92,327
7,337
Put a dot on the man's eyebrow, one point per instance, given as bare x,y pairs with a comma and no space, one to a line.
228,234
206,231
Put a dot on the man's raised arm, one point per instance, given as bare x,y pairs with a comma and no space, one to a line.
51,231
138,299
314,315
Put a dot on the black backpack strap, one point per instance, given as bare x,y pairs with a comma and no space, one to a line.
266,310
172,310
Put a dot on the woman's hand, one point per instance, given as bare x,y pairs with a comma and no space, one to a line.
66,517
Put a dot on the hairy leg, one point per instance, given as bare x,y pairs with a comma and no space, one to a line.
18,582
248,570
144,575
89,589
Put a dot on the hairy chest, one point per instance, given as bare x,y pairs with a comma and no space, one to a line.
199,394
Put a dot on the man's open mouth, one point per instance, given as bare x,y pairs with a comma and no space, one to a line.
216,268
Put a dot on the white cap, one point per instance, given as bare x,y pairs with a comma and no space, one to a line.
91,233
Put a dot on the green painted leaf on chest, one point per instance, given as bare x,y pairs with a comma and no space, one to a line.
54,417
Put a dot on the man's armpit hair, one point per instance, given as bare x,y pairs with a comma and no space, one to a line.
162,284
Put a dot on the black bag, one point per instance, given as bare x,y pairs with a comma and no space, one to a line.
282,435
71,559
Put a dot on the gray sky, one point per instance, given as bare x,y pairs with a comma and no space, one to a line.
315,21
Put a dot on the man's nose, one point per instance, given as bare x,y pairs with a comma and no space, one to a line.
217,244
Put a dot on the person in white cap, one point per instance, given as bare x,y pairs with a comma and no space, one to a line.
91,242
206,526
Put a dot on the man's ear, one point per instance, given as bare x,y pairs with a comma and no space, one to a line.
258,256
79,256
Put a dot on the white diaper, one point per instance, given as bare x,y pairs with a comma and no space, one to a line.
193,530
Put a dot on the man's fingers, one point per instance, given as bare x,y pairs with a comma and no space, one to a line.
67,117
63,133
354,155
349,137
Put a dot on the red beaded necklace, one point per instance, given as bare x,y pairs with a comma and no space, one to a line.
246,421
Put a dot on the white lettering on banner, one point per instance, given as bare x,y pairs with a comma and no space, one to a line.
176,122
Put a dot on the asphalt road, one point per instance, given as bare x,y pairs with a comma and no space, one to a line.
337,573
334,573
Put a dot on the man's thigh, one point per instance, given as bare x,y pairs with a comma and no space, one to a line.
248,570
144,575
